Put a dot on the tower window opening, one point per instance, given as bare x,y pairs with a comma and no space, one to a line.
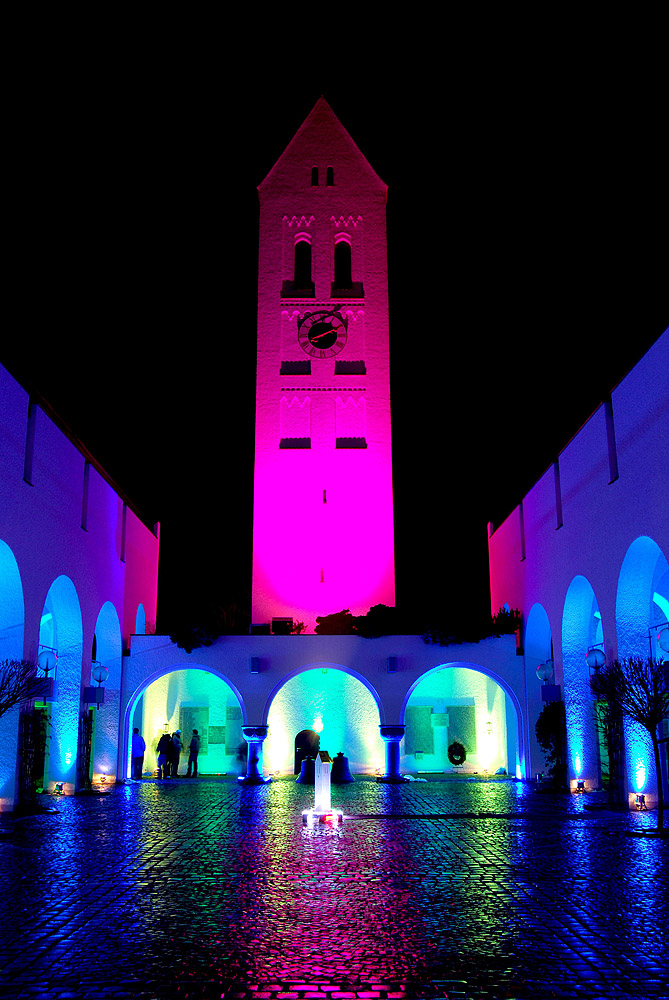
342,264
325,496
329,177
302,272
314,176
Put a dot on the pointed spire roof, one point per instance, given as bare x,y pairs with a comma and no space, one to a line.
323,141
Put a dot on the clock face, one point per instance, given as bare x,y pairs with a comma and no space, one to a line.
322,334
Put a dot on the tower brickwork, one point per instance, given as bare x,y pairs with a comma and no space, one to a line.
323,507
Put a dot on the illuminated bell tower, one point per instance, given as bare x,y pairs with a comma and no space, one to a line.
323,503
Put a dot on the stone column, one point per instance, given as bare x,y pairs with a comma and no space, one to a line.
255,737
392,735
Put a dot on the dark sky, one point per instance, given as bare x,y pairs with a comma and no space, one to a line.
528,272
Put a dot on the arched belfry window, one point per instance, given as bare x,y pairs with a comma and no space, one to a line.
314,176
302,283
342,264
329,177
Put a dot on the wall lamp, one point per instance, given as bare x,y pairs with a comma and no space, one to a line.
96,695
595,656
662,637
47,659
545,671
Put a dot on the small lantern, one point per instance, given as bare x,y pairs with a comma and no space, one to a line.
96,695
595,657
663,638
47,659
99,672
545,671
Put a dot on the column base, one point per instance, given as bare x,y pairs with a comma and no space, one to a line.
392,781
252,779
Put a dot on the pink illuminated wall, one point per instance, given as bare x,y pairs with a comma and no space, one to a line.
323,515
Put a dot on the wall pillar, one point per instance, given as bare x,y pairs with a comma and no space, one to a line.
255,737
392,736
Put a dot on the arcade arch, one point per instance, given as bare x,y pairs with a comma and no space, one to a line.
61,629
11,648
642,610
337,704
11,606
461,703
538,644
107,650
140,620
581,630
186,699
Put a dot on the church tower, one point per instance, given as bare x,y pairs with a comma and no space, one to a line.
323,504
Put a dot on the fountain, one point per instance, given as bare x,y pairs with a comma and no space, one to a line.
322,811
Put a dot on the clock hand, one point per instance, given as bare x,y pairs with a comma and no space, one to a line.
319,335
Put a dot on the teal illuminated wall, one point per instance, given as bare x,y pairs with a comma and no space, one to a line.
456,703
194,697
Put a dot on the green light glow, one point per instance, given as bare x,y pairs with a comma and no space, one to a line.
456,703
180,694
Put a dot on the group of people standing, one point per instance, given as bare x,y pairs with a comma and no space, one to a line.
168,752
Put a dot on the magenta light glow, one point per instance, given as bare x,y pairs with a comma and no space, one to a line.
344,556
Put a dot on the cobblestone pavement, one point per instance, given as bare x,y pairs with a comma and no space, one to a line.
466,889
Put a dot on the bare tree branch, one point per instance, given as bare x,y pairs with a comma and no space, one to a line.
639,688
18,682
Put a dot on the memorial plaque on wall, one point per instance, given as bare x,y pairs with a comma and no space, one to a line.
233,728
216,734
462,726
195,717
418,733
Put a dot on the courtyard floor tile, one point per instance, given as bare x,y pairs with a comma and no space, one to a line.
456,888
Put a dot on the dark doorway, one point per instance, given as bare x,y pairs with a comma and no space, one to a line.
307,744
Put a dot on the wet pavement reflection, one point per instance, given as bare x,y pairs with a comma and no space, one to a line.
456,888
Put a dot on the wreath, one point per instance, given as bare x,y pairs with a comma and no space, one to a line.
457,753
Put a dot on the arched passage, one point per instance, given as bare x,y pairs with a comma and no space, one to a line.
186,699
337,704
11,648
581,630
108,651
61,629
462,702
140,620
642,609
538,643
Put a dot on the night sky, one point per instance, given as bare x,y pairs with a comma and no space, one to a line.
528,272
